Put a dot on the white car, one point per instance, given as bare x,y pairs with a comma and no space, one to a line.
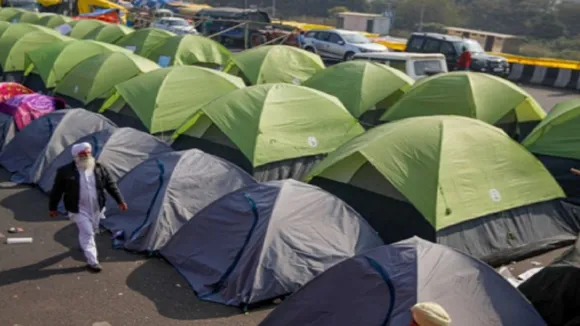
339,44
416,65
175,25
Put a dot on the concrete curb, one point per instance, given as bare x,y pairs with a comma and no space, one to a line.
544,76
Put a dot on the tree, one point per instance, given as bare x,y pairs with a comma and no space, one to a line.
336,10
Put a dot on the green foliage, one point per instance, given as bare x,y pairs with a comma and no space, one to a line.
336,10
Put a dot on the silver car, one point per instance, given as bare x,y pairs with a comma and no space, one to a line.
339,44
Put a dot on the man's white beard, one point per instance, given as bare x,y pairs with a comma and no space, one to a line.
85,163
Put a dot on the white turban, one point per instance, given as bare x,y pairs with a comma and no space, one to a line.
79,148
430,314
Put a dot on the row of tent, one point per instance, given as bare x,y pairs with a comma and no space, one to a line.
275,236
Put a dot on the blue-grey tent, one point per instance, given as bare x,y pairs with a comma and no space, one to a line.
164,192
380,286
46,137
120,150
266,240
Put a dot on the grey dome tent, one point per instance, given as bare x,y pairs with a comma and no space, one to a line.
164,192
120,150
266,240
380,286
555,290
54,131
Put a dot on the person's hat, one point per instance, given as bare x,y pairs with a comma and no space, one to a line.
430,314
81,148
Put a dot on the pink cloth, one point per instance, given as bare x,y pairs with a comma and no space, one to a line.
28,107
8,90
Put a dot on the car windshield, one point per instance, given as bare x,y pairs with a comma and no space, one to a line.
177,23
471,45
355,38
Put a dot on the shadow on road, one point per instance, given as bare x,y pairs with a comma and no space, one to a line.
37,271
162,284
27,204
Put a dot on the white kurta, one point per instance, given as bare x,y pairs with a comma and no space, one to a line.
88,217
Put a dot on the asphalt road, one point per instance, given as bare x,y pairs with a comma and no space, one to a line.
45,283
548,97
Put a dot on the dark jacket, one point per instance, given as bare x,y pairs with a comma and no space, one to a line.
67,184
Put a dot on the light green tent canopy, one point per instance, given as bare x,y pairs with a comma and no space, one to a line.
80,28
559,133
190,50
96,77
475,95
275,64
52,62
144,40
29,17
274,122
8,14
3,27
52,20
163,99
362,85
15,45
450,168
109,33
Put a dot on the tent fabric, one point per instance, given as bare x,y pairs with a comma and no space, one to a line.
95,78
53,21
9,90
120,149
450,168
29,17
7,130
7,14
275,122
53,62
164,192
162,99
142,41
455,180
380,286
476,95
277,236
109,33
80,28
198,50
52,131
555,290
275,64
28,107
362,85
558,134
560,167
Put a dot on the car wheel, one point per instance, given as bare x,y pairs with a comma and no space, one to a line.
310,49
348,56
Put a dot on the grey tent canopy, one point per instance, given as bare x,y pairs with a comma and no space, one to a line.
164,192
555,290
7,130
120,150
380,286
46,137
266,240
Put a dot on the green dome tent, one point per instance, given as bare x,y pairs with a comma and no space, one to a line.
362,86
275,64
190,50
273,131
476,95
556,142
52,62
93,80
161,100
142,41
452,179
109,33
29,17
9,14
52,20
80,28
3,27
19,39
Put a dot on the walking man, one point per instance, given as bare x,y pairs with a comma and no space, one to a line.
82,183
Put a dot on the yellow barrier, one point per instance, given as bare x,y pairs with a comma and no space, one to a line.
542,62
391,45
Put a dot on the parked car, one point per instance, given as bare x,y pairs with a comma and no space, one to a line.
176,25
416,65
339,44
452,47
